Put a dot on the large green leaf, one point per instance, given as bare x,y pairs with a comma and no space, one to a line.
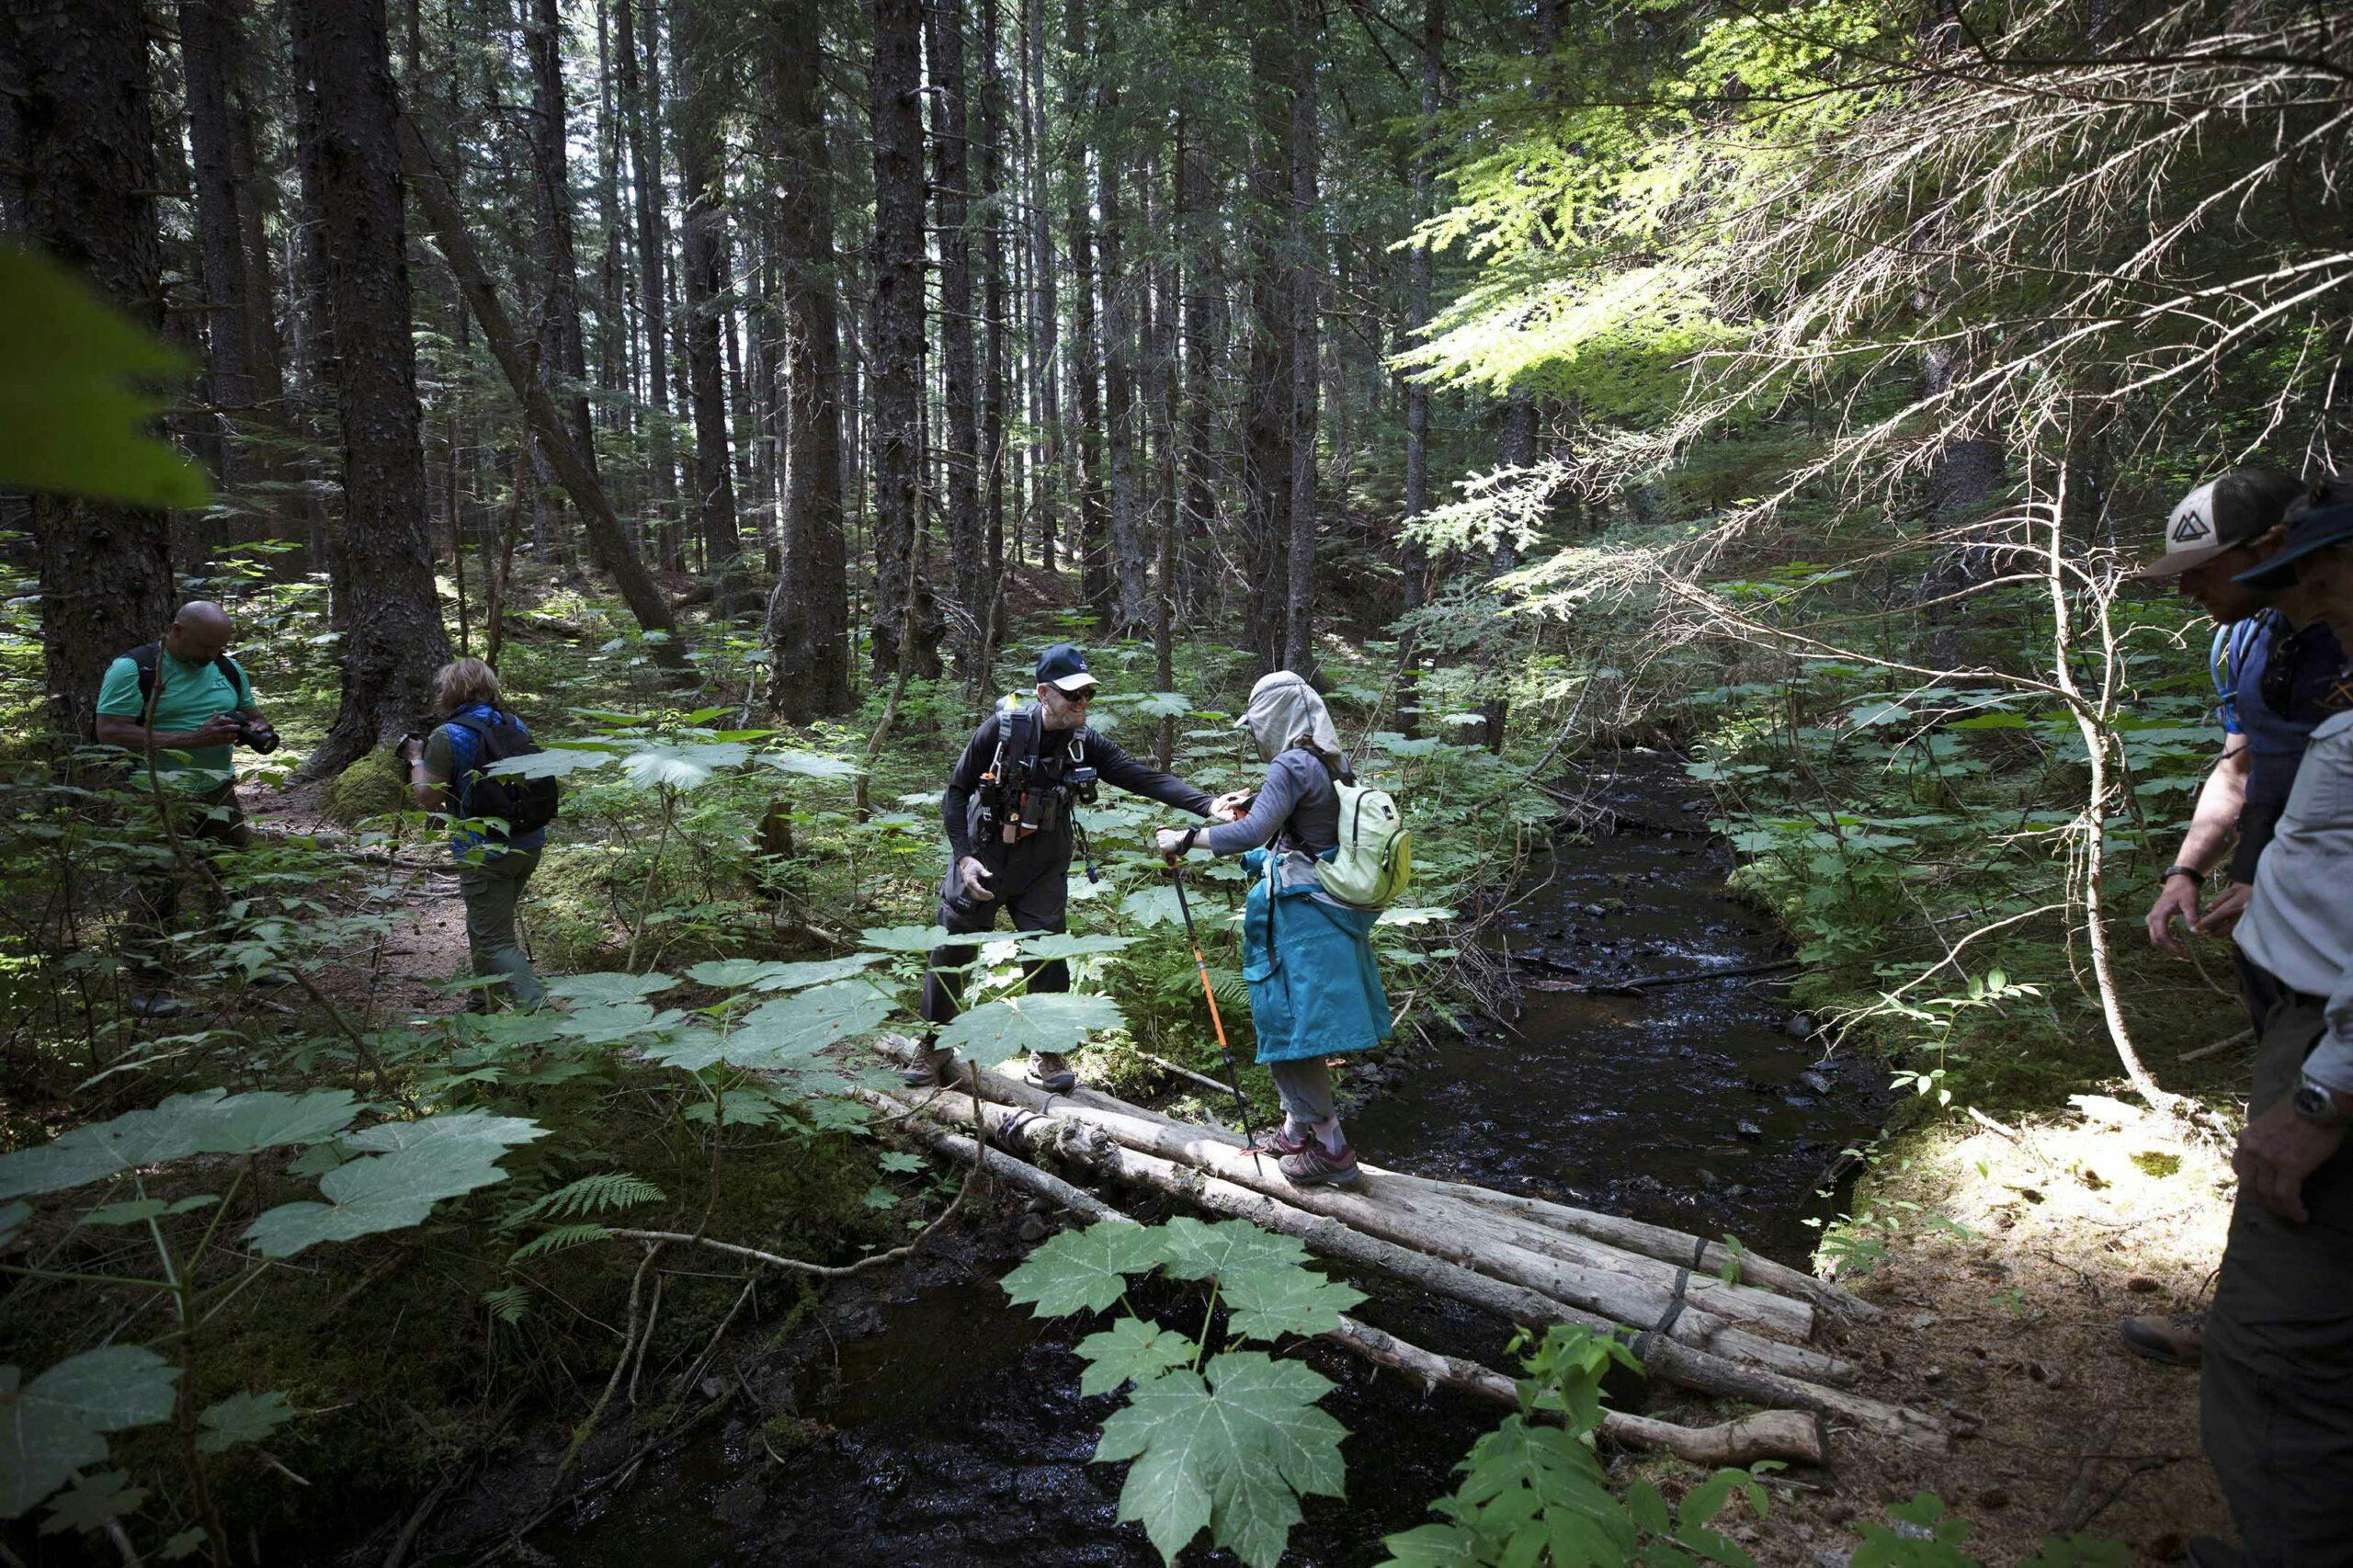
1084,1271
815,971
381,1192
608,1022
55,1425
792,1029
1155,906
1197,1250
1041,945
211,1122
1056,1022
476,1128
609,986
242,1418
552,762
1269,1302
69,419
809,765
1231,1452
910,939
1131,1350
681,767
91,1501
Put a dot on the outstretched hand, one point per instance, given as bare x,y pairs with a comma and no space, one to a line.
1232,806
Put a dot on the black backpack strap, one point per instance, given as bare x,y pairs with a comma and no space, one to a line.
232,675
144,659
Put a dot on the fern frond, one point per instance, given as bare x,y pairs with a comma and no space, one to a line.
598,1194
508,1304
561,1239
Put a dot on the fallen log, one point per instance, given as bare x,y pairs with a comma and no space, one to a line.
1663,1358
1662,1242
1770,1434
1695,1308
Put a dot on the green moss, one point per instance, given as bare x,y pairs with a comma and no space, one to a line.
372,787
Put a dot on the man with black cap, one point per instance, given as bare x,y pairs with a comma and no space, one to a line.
2276,1394
2274,662
1009,812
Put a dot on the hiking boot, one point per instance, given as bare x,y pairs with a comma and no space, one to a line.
1051,1073
1278,1142
1317,1166
932,1066
2178,1339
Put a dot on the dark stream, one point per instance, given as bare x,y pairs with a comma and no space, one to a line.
957,1433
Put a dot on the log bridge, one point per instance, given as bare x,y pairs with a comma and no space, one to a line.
1751,1337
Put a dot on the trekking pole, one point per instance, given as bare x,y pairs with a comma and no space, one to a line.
1209,994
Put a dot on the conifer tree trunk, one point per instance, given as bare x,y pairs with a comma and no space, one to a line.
612,325
1160,371
995,389
809,611
562,359
1045,309
696,61
967,541
1129,566
1197,223
1412,557
640,101
1266,412
1306,248
84,190
1086,448
211,43
256,200
394,639
894,399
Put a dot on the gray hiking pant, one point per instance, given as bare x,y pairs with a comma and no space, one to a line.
1305,1086
492,889
2276,1390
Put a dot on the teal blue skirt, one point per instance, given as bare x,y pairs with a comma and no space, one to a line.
1314,988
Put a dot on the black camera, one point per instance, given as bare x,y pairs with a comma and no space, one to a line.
1080,781
257,735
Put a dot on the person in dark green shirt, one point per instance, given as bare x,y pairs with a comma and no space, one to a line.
197,704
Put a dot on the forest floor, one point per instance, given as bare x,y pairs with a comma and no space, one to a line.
2006,1319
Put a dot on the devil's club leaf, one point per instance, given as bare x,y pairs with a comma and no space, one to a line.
242,1418
809,765
1271,1301
1232,1451
1129,1350
552,762
609,986
908,938
1084,1271
815,971
382,1192
730,973
1197,1250
477,1127
1057,1022
604,1023
792,1029
53,1427
212,1122
91,1501
681,767
1040,946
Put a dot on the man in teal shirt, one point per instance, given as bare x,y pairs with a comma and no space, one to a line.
195,703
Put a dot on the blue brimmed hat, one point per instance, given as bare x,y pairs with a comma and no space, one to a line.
2315,530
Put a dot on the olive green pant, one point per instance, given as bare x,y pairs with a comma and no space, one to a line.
2276,1391
492,889
209,822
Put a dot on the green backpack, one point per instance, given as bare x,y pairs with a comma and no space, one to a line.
1375,860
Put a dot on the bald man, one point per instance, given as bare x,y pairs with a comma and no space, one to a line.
186,697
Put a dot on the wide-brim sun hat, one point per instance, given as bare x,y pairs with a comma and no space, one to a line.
2314,530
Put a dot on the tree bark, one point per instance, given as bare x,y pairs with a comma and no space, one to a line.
967,542
996,385
896,391
564,365
638,589
393,640
809,611
1306,247
1267,394
85,192
1045,309
1129,566
210,42
697,60
1412,560
1201,286
1086,449
640,98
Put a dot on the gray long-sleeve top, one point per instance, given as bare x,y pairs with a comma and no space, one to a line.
1118,769
1297,804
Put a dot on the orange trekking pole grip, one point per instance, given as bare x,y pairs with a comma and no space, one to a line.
1209,994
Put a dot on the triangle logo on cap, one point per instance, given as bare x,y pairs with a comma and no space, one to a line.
2190,527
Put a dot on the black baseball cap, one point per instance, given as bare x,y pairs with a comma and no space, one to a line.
2229,510
2316,530
1064,666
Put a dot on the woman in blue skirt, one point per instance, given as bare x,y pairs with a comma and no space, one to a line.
1315,989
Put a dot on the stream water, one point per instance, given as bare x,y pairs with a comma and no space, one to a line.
957,1432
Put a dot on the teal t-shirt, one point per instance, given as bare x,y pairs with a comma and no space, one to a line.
190,693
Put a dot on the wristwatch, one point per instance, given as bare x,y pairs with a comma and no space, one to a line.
2197,878
2318,1104
1185,845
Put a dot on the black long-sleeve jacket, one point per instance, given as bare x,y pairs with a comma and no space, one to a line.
1057,750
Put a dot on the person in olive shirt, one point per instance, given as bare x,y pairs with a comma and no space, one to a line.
194,705
1007,813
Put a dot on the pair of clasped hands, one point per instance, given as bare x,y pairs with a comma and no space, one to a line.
1232,806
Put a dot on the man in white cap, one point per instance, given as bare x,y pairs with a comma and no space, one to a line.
1009,812
2272,661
